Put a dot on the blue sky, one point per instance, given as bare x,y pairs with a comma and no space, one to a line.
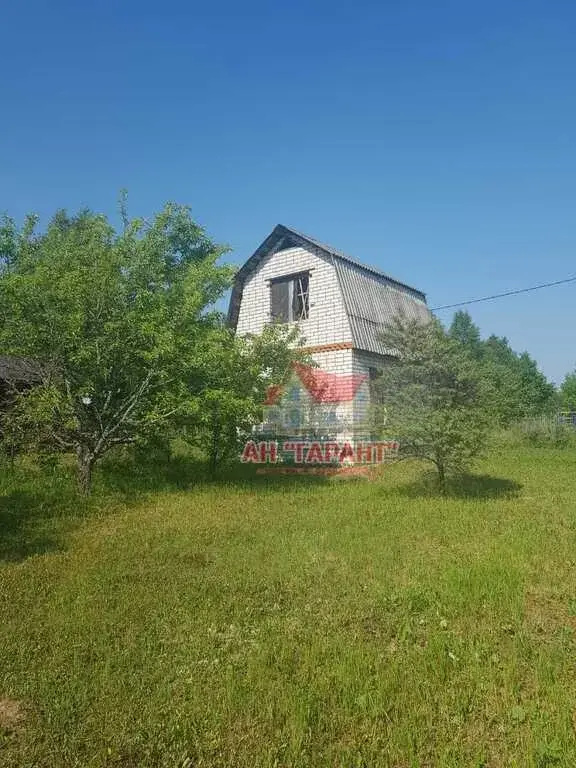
436,140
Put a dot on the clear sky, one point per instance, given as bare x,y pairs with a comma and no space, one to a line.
436,140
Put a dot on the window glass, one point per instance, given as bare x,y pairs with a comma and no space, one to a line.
289,300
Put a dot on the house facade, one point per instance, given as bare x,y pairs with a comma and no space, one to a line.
340,305
313,403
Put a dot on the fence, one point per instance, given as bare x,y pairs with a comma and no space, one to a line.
567,418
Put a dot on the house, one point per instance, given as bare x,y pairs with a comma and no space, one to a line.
316,403
339,304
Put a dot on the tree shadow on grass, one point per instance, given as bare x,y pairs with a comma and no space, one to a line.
463,486
35,517
19,537
39,506
133,479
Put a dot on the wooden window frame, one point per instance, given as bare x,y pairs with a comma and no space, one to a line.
292,280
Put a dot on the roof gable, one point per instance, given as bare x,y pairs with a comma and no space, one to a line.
371,297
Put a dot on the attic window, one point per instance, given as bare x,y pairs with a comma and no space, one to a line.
289,298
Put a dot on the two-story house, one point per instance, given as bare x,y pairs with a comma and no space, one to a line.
339,304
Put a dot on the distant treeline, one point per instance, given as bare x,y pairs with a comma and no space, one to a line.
523,390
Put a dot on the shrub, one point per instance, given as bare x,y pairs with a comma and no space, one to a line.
543,433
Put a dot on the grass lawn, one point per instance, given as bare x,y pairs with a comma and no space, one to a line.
290,621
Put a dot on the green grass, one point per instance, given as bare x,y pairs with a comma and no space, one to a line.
171,621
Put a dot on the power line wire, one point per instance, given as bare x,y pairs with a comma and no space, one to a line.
507,293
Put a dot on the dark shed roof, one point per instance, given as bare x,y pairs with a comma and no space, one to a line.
19,370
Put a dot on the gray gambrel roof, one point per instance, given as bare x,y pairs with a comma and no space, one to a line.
371,297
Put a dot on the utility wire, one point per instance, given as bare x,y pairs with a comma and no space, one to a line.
508,293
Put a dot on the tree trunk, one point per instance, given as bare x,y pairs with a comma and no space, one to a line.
215,445
86,461
441,475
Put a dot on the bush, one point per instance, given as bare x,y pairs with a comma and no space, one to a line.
542,433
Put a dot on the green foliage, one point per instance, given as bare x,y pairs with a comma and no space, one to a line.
520,389
236,372
568,392
464,330
542,432
436,396
112,319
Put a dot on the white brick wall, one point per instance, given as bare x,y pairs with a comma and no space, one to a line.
327,322
363,361
335,361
